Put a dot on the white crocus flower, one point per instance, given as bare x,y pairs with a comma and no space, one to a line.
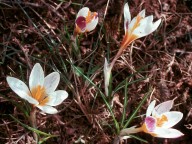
107,74
160,119
158,122
86,20
41,92
138,27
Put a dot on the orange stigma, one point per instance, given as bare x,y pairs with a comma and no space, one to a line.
161,121
90,17
39,94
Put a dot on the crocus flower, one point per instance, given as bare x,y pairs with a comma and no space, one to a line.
41,92
107,73
158,121
138,27
86,20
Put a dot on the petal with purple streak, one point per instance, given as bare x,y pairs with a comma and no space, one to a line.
150,123
81,22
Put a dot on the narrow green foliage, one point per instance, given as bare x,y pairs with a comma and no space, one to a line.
137,109
103,97
125,102
36,27
79,71
138,138
21,73
95,97
92,68
9,55
47,136
75,48
122,84
74,3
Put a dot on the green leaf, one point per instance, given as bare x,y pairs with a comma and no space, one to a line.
137,109
78,71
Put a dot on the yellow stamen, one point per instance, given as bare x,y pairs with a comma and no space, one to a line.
39,94
44,101
90,17
161,121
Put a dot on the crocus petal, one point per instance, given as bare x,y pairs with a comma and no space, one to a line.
83,12
57,97
124,137
91,26
145,27
81,23
107,74
156,24
164,107
21,89
36,77
173,118
142,13
51,82
135,21
127,16
131,24
150,108
48,109
150,123
167,133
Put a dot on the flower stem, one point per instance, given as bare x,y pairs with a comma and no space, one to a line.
75,46
116,57
132,130
33,122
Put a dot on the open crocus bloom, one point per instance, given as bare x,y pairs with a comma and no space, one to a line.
138,27
160,119
41,92
86,20
158,122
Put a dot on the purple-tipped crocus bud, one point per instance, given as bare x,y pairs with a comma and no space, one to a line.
107,74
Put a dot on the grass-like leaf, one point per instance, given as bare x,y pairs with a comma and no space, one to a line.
137,109
103,97
47,136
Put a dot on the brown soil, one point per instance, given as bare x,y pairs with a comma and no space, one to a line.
40,31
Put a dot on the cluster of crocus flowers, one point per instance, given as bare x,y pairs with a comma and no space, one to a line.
85,21
41,92
138,27
158,122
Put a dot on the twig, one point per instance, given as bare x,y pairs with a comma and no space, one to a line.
25,51
22,3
